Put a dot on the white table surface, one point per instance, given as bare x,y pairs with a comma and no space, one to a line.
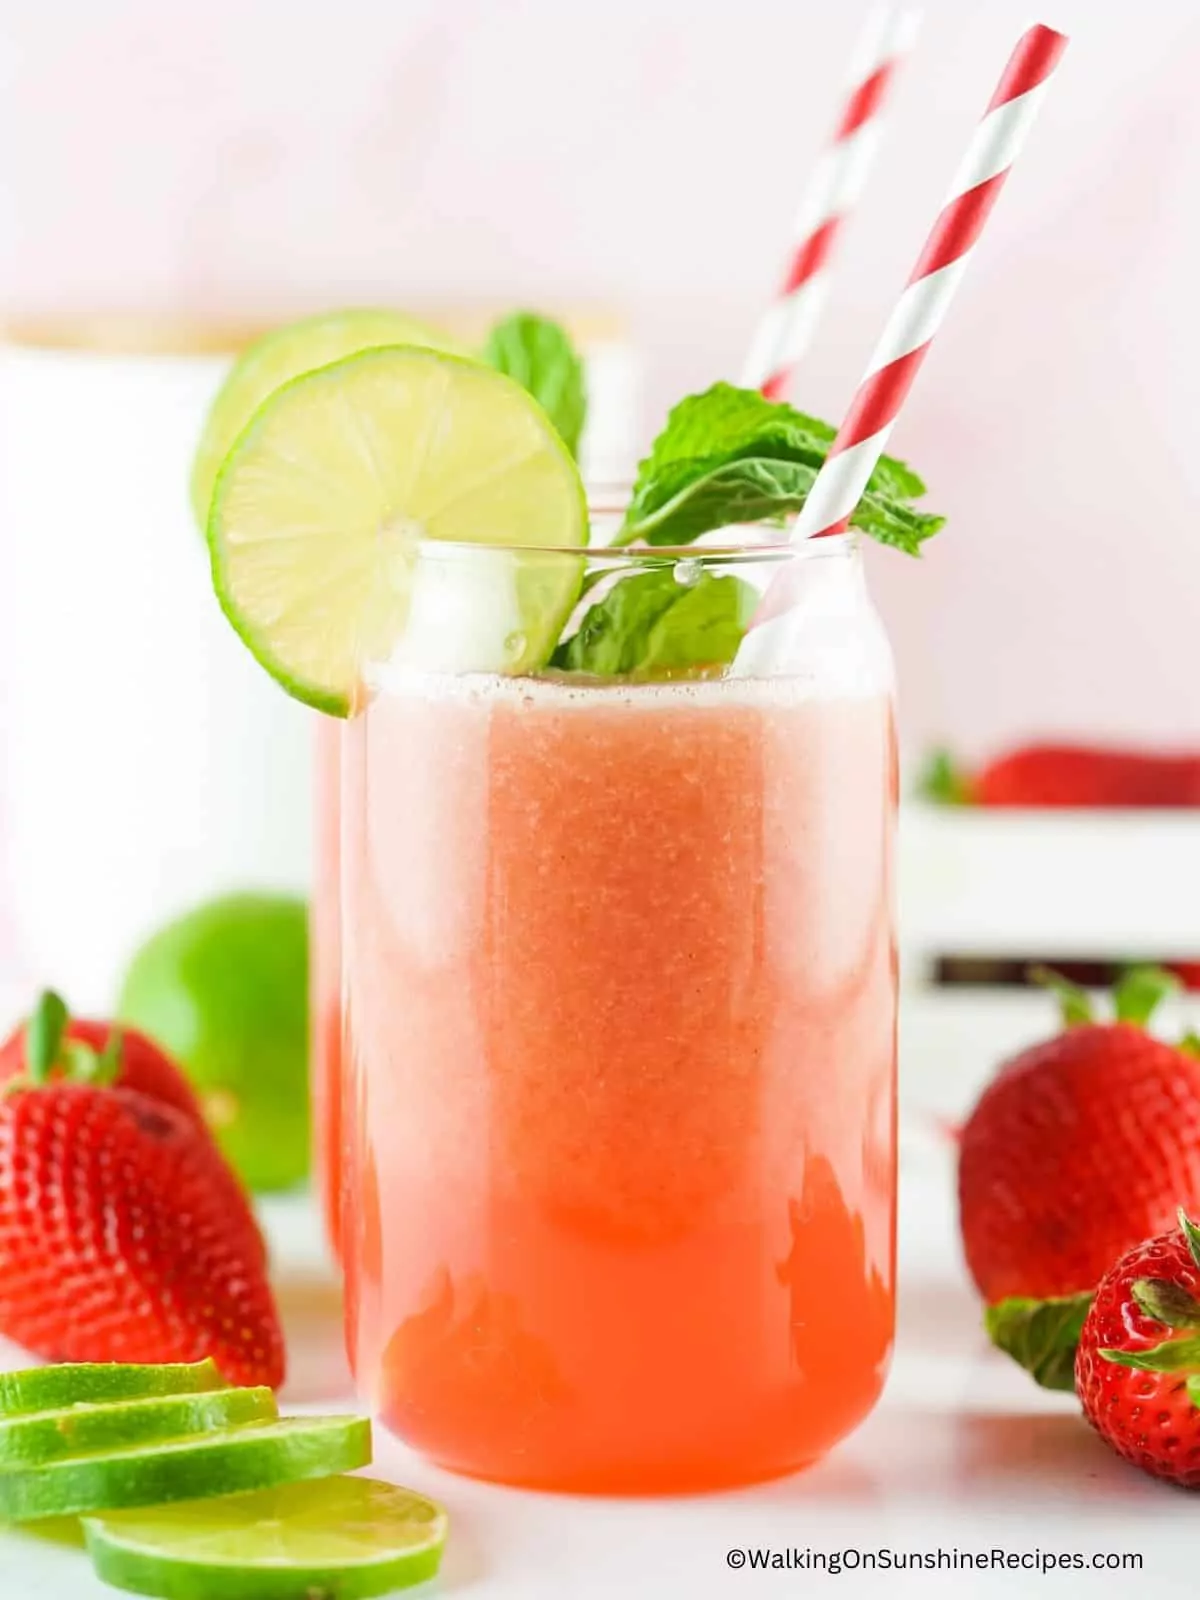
962,1453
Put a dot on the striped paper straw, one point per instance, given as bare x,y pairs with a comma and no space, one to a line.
863,435
787,328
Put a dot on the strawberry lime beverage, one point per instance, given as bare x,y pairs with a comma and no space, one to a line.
621,994
611,1112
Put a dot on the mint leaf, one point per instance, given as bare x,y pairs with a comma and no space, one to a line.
729,455
650,623
1139,992
538,353
1040,1335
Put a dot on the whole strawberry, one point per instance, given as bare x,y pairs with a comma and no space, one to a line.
136,1061
123,1235
52,1044
1057,775
1079,1148
1137,1368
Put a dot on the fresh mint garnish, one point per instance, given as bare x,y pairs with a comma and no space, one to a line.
729,456
651,624
537,352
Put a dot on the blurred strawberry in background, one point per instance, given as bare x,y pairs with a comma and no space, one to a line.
1064,775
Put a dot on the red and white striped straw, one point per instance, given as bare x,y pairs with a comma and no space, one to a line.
787,327
907,337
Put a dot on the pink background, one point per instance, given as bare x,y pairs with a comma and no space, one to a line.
240,155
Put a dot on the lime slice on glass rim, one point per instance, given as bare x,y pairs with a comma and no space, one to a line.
281,355
256,1455
341,517
346,1537
47,1436
93,1382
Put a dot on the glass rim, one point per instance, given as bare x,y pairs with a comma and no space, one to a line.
739,552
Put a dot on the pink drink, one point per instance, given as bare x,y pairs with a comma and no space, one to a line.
621,1011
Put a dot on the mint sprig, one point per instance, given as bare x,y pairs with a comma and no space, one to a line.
537,352
729,456
652,624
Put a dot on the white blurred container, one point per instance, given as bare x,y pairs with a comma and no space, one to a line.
1105,886
146,762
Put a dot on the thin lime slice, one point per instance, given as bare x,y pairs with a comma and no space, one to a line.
280,356
92,1383
48,1436
341,1539
255,1456
328,511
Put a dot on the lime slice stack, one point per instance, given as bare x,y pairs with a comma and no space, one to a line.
34,1441
328,513
196,1491
282,355
91,1383
346,1537
254,1456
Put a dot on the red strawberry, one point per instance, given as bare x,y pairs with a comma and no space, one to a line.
123,1236
1079,1147
52,1044
1137,1370
140,1063
1068,775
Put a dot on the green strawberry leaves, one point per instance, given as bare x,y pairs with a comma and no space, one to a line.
1074,1004
729,456
1040,1335
49,1053
943,781
1174,1355
1167,1302
1136,997
44,1035
1140,992
651,624
537,352
1174,1306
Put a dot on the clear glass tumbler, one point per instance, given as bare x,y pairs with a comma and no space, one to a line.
325,980
620,1000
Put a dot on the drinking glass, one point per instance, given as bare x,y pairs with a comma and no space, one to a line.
619,991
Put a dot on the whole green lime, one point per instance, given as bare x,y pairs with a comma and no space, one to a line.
225,990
